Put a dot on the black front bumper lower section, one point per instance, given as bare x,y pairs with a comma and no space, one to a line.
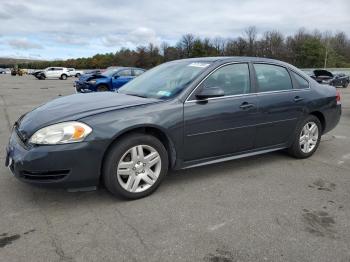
68,166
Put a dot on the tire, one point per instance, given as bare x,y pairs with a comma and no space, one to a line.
124,176
345,85
311,143
77,75
63,77
102,88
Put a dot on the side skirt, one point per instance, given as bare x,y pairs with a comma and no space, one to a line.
228,158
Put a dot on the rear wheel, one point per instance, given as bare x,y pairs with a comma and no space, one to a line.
345,85
63,77
307,138
135,166
102,88
77,75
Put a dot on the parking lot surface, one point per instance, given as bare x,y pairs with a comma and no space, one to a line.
265,208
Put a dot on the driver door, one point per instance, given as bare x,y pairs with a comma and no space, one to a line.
121,78
223,125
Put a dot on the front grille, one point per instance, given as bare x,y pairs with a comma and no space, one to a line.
45,176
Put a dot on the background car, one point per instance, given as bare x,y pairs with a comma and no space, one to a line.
52,72
323,76
2,71
74,72
110,80
93,72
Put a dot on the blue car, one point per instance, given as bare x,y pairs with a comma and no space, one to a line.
110,80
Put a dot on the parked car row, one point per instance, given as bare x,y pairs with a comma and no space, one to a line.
178,115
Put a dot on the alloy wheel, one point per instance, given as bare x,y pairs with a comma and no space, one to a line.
308,137
139,168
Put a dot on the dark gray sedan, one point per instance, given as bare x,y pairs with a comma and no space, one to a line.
180,114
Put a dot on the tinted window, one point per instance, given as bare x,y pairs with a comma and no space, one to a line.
302,83
126,72
233,79
272,78
138,72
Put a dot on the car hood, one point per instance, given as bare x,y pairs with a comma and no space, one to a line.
321,72
74,107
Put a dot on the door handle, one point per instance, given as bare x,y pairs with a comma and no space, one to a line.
298,98
246,105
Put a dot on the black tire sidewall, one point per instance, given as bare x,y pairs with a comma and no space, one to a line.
117,150
102,88
295,149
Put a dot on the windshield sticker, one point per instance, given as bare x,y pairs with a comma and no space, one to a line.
163,93
201,65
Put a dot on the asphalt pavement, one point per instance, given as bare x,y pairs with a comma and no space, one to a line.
265,208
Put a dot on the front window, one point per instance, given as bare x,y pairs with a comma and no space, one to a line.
109,72
164,81
232,79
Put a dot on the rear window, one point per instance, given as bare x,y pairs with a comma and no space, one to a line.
272,78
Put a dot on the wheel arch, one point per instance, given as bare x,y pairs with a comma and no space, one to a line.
320,117
153,130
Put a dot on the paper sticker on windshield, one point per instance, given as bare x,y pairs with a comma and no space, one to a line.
163,93
201,65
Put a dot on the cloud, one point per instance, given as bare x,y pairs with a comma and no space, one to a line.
107,25
137,37
23,44
70,39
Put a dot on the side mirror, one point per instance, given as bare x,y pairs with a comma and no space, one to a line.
210,92
116,76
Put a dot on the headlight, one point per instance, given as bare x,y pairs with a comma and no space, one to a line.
92,82
62,133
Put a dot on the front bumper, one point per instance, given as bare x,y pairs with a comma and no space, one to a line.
67,166
82,87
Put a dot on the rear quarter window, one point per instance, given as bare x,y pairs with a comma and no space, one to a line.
300,81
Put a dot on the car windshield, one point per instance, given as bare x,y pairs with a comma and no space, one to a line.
109,72
164,81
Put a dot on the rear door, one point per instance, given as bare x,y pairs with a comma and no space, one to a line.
223,125
280,105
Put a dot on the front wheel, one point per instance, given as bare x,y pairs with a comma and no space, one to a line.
135,166
63,77
102,88
307,138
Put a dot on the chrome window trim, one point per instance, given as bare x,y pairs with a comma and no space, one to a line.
248,94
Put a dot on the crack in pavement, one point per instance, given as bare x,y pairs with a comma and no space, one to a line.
55,242
7,118
133,228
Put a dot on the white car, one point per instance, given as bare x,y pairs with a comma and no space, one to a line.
52,72
76,73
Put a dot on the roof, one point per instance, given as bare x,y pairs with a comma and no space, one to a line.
232,59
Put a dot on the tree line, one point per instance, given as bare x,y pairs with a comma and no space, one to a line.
303,49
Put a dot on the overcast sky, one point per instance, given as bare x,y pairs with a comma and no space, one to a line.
67,28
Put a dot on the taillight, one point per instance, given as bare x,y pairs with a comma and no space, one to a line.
338,97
